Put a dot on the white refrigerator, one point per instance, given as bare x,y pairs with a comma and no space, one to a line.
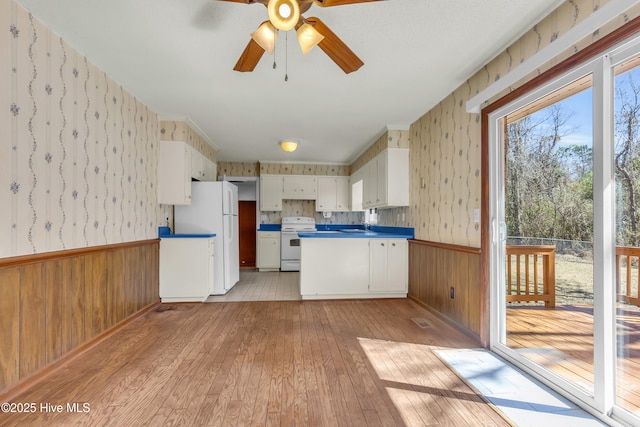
214,209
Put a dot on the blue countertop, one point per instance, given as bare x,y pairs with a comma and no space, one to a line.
165,233
358,232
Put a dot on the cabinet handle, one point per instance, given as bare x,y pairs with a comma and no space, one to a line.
393,244
381,244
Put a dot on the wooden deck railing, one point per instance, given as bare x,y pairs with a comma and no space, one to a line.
627,261
534,278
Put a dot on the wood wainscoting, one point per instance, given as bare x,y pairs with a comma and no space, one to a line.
436,268
53,303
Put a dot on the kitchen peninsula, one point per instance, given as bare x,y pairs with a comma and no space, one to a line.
354,262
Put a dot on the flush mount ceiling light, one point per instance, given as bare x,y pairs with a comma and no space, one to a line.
288,145
283,14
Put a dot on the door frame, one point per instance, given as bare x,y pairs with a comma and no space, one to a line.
599,60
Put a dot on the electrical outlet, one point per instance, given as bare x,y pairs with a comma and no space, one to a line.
476,215
452,292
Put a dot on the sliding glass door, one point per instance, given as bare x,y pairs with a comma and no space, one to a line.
565,232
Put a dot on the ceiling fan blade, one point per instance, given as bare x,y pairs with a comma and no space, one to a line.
329,3
249,58
335,48
245,1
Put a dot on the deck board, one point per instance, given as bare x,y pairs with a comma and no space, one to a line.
561,339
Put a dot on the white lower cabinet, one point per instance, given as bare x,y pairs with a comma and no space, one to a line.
268,250
388,261
353,268
186,269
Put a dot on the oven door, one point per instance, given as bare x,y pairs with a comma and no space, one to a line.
290,247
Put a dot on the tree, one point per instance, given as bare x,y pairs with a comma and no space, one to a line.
627,156
548,186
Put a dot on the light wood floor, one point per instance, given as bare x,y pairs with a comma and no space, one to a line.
303,363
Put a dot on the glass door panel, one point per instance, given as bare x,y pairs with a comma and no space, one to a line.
627,180
548,198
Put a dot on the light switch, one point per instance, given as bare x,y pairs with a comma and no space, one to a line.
476,215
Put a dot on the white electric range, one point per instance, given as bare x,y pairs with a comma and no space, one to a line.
290,245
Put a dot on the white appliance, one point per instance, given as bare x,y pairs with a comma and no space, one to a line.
290,245
214,209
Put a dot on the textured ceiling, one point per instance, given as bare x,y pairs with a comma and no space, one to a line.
178,56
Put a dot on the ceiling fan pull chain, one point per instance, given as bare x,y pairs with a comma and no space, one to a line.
286,56
274,53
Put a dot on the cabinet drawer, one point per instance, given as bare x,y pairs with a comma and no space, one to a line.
269,234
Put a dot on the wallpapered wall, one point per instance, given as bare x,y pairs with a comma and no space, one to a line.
389,139
307,207
181,131
77,152
293,207
445,142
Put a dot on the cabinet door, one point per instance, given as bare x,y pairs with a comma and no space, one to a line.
381,179
397,265
357,190
298,187
174,173
378,265
327,194
370,189
268,250
308,187
271,193
343,195
397,171
209,170
197,165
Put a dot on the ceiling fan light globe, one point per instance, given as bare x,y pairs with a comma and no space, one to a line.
276,10
266,36
308,37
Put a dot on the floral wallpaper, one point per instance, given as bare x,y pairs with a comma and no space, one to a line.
293,207
445,153
238,168
308,207
303,169
389,139
77,152
181,131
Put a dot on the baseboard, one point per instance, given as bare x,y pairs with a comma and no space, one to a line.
448,320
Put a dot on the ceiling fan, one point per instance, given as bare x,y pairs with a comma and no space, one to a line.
287,14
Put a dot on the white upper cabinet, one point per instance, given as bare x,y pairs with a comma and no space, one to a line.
202,169
178,162
299,187
386,179
333,194
271,192
174,173
357,187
